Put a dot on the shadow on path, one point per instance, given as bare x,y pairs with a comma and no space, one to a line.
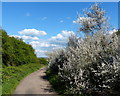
36,83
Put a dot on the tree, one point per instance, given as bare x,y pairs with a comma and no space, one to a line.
43,61
91,65
94,20
15,52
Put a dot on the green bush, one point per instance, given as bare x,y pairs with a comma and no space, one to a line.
43,61
56,82
15,52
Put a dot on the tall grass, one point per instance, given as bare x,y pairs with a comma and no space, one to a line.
13,75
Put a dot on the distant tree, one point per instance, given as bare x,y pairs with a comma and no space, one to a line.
43,61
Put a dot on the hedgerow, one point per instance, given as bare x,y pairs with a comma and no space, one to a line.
90,65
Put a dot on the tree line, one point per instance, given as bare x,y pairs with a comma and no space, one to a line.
15,52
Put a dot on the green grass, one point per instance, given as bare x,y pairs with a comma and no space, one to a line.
0,80
11,76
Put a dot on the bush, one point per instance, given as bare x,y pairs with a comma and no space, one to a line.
43,61
93,66
56,59
15,52
90,65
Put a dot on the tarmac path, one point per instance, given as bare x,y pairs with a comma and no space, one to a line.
35,83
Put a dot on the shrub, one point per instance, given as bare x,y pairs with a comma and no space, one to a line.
56,59
15,52
91,64
43,61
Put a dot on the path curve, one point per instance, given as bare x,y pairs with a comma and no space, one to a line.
35,83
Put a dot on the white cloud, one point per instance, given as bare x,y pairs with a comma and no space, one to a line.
74,21
32,32
59,36
67,33
28,14
25,37
67,17
29,38
53,45
40,53
42,46
37,44
61,21
44,18
113,31
60,40
62,36
57,47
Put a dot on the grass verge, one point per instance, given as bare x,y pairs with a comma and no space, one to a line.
11,76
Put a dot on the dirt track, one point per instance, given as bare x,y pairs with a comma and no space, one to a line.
35,83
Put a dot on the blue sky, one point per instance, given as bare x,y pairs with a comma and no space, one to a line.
53,20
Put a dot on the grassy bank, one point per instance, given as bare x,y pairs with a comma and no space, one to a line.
13,75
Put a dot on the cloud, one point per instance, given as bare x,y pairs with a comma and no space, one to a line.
60,40
25,37
113,31
62,36
29,38
28,14
57,47
61,21
37,44
67,17
44,18
67,33
40,53
42,46
32,32
59,36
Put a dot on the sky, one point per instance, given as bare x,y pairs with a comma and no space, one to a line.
47,25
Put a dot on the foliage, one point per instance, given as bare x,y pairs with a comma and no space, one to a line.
43,61
12,76
118,32
93,66
56,82
16,52
19,60
93,20
0,63
56,58
90,65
